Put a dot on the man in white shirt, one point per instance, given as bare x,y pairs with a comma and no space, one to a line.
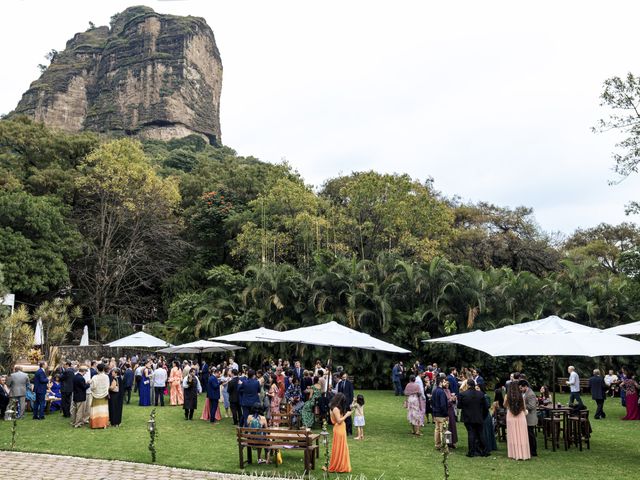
159,384
574,385
138,377
232,364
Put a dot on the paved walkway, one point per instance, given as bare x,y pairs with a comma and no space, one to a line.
36,466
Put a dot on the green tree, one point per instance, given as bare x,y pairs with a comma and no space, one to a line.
57,317
126,213
16,335
490,236
36,243
605,243
389,213
622,97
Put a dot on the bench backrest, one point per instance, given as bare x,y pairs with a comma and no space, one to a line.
273,437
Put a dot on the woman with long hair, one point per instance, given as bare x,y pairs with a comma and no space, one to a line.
517,434
175,385
116,397
274,400
340,461
451,409
308,410
630,388
145,386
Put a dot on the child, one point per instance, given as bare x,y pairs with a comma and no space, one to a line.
358,416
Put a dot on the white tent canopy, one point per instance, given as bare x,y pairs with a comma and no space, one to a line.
550,336
627,329
255,335
201,346
84,341
140,340
332,334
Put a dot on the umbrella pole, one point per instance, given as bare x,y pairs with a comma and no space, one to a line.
553,379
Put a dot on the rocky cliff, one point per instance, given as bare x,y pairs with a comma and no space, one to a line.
152,75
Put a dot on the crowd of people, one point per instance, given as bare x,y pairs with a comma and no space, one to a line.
93,393
447,398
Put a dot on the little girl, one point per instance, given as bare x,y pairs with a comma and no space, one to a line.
358,416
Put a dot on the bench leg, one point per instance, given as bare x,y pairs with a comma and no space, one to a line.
249,456
241,456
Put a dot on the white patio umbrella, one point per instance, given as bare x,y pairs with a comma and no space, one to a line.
332,334
255,335
550,336
141,340
201,346
84,341
38,337
627,329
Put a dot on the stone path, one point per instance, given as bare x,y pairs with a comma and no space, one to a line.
36,466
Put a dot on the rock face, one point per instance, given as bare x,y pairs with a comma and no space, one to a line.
152,75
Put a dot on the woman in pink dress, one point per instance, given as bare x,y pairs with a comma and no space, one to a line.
175,381
517,435
631,387
274,400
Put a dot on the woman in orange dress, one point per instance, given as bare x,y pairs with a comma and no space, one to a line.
175,380
340,461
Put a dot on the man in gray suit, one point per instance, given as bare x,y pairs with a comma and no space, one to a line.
531,404
18,383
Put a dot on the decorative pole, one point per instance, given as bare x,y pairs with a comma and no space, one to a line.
12,415
324,435
446,438
151,424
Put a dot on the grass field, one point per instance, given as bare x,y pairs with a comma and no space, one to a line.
388,451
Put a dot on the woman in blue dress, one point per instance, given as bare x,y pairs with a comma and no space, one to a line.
145,387
54,391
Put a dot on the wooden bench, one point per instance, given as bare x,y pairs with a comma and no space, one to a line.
562,383
276,439
285,420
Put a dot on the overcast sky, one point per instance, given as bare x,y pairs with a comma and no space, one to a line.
493,99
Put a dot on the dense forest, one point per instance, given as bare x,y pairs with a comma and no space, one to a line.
191,240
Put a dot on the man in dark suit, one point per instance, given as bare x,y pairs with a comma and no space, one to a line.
477,377
66,378
346,387
298,371
80,387
40,382
248,389
234,400
598,388
474,411
213,394
128,382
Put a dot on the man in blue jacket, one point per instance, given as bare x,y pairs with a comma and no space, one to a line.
40,382
213,394
128,382
453,380
396,377
440,406
248,390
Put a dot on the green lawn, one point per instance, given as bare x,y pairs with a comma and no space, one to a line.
388,450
